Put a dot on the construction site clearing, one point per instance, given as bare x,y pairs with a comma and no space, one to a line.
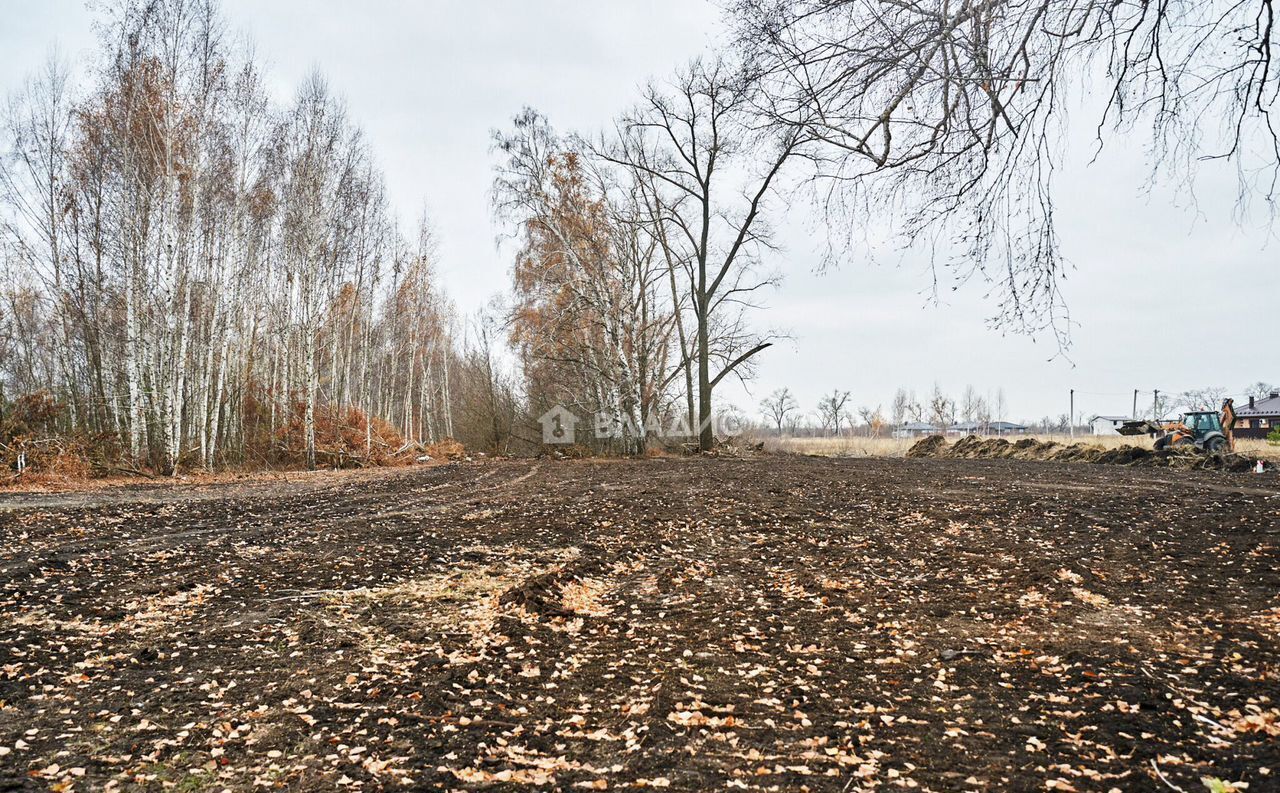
770,623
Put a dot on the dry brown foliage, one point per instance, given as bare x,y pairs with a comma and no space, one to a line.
447,449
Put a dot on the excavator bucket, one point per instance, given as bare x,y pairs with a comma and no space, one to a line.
1139,428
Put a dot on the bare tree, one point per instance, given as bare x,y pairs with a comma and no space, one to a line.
873,420
831,410
592,318
1205,398
942,409
710,175
1161,405
969,404
954,110
982,414
778,406
901,407
915,409
491,407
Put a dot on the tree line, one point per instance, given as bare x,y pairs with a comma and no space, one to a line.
193,274
781,413
835,414
640,253
645,249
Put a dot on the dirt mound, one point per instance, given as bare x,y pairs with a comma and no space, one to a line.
973,447
539,595
928,447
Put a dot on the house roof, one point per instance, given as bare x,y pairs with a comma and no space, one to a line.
973,426
963,426
1006,425
1261,407
1109,418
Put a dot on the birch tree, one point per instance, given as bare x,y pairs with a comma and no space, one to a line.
592,319
197,275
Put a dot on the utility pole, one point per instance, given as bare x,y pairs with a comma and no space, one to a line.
1071,418
1134,414
1155,406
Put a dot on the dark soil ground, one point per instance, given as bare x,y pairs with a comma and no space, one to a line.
778,623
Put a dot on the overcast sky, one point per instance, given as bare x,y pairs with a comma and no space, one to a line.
1163,295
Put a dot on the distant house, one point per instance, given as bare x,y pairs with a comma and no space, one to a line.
1259,417
915,430
1007,428
919,429
1108,425
987,428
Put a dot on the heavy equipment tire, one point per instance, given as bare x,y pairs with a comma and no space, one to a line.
1184,442
1161,443
1215,444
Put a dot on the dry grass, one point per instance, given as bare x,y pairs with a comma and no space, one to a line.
841,447
1260,449
897,447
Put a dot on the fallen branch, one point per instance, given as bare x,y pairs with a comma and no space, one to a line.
130,471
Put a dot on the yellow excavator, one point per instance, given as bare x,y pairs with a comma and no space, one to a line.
1204,429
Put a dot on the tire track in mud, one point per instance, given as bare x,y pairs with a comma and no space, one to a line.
267,506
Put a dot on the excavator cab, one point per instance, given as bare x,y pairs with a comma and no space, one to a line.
1202,423
1204,429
